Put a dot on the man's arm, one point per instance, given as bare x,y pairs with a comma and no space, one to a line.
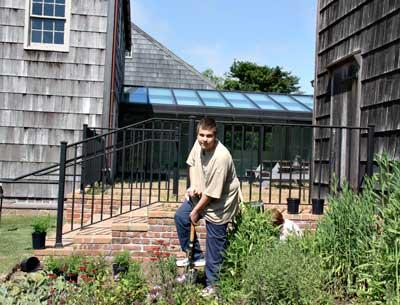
193,191
195,214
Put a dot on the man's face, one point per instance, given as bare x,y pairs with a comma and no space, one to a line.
206,138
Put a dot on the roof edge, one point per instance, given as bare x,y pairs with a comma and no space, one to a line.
173,55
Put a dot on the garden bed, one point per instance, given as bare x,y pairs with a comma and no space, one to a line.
352,258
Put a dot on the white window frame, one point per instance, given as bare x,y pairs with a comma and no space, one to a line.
29,45
128,54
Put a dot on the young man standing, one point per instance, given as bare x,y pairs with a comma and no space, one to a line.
214,195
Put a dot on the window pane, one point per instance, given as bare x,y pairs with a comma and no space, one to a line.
187,97
59,37
160,96
36,24
36,36
60,1
59,25
307,100
48,1
212,98
48,25
37,9
289,103
138,95
238,100
264,101
48,10
47,37
60,10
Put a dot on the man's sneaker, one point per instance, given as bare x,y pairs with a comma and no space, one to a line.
208,291
185,262
181,279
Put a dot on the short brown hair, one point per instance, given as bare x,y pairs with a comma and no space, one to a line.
277,217
207,124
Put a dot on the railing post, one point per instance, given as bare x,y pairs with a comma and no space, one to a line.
84,150
260,157
61,186
191,139
370,150
175,185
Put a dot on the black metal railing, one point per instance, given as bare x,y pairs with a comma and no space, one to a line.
112,172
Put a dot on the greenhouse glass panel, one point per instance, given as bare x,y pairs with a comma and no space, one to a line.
289,103
138,95
187,97
306,100
264,102
161,96
213,99
238,100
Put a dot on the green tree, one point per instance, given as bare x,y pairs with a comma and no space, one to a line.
248,76
217,80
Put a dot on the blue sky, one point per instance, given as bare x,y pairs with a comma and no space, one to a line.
212,33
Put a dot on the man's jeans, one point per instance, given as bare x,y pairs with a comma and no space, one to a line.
215,241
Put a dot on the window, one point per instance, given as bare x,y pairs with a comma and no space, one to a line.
47,25
128,54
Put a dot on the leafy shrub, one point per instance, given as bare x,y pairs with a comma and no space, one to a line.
41,224
286,273
55,264
122,259
251,232
73,262
166,290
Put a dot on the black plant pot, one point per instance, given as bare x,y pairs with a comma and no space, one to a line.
71,277
38,240
58,272
30,264
293,205
318,206
119,269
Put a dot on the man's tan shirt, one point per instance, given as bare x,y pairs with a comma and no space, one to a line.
215,176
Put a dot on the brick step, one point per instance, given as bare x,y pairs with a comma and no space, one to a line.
147,233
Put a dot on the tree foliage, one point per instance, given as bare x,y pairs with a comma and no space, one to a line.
248,76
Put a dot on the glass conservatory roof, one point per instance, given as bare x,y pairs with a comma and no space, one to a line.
220,99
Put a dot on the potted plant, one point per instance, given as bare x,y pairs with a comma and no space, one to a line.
72,269
40,226
317,206
55,266
121,262
293,205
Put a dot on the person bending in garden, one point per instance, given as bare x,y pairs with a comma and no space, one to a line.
286,226
213,194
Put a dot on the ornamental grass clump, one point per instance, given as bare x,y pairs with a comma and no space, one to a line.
380,275
344,236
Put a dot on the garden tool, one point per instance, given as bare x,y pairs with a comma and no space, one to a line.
190,271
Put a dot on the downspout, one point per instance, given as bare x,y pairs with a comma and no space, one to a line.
112,91
108,65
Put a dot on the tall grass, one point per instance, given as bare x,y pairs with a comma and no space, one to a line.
380,274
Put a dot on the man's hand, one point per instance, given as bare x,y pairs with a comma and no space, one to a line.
194,216
193,192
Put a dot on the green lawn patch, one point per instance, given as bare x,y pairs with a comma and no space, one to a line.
16,239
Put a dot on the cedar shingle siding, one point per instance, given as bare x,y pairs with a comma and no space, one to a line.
358,71
47,96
